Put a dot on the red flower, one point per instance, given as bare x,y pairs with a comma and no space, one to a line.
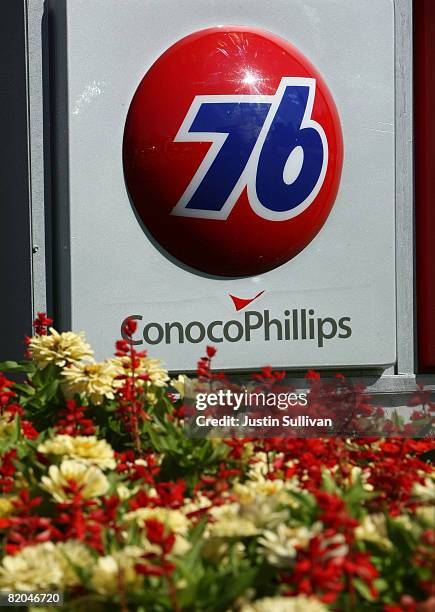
26,528
129,327
41,324
72,421
28,430
155,564
171,494
211,351
312,375
7,471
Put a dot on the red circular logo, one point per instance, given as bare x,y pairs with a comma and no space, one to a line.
232,151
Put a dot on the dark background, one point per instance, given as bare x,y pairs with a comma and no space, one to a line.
15,237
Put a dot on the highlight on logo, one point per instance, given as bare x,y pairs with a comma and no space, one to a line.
232,151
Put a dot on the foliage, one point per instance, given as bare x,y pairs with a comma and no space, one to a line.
106,499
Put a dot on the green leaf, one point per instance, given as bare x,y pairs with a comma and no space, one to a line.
363,589
397,420
380,585
16,366
328,483
16,434
400,536
427,429
44,394
429,456
24,388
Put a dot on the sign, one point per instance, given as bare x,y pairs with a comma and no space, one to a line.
209,196
249,151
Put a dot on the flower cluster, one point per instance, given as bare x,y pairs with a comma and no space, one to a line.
106,499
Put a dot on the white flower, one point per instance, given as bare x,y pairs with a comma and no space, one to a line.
32,568
73,554
424,492
285,604
95,381
44,566
85,448
258,466
340,551
89,479
251,490
59,349
357,473
280,545
181,546
117,571
261,502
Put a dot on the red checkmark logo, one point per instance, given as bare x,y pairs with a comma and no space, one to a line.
241,303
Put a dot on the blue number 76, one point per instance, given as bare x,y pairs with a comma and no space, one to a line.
268,144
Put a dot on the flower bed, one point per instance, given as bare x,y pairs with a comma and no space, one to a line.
105,499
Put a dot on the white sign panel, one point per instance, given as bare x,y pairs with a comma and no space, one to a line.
231,179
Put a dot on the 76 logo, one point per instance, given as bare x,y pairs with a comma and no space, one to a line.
268,144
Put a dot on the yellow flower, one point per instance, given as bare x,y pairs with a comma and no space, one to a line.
59,349
7,422
258,504
230,522
117,571
426,515
153,368
6,506
218,550
258,467
183,385
174,520
285,604
405,521
88,478
181,546
250,490
43,566
86,448
373,528
357,474
95,381
200,502
124,492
